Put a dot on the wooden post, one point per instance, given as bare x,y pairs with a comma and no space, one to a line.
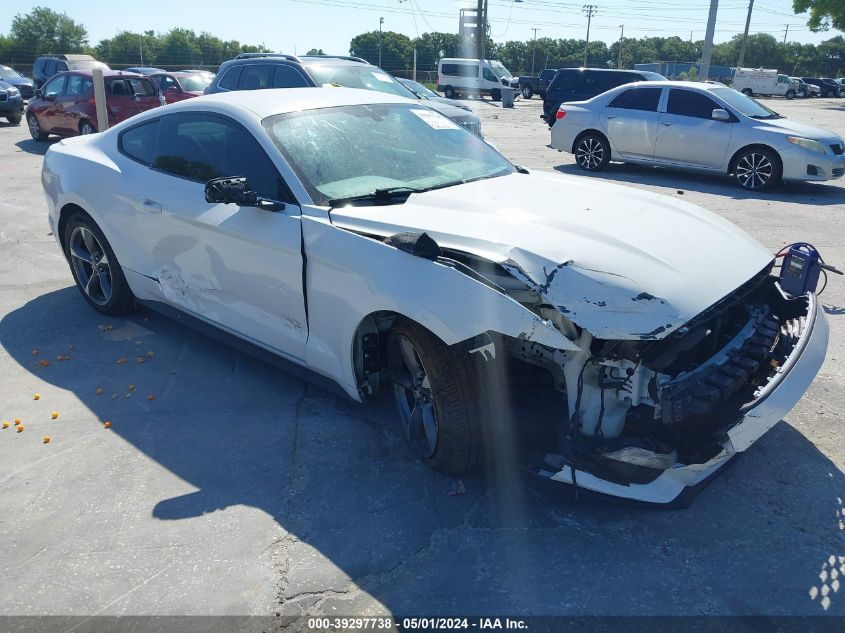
100,100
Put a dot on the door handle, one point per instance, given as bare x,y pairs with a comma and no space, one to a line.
151,206
666,123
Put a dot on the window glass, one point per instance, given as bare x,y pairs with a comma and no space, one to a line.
139,142
459,70
566,81
230,79
689,103
54,87
50,68
359,76
61,66
596,83
645,99
195,82
288,77
165,81
77,85
142,87
256,77
488,75
202,146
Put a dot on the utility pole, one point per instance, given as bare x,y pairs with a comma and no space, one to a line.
589,10
141,49
745,35
707,53
621,38
483,39
785,33
534,48
480,19
380,22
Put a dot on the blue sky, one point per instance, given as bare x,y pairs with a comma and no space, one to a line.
297,25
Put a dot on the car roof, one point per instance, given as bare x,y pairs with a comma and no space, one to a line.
106,73
264,103
699,85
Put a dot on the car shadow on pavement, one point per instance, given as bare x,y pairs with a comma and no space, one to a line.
366,521
31,146
810,193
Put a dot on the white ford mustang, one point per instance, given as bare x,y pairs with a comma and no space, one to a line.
376,244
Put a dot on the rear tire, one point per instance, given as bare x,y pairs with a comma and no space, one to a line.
86,128
95,268
35,130
758,169
14,119
449,92
527,93
592,151
496,94
747,92
442,406
790,94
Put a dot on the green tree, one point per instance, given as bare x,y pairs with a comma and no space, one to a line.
315,51
179,47
824,14
432,46
396,49
43,30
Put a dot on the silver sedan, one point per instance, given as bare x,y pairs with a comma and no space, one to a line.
696,126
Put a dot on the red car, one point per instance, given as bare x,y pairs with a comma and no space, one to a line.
64,105
179,86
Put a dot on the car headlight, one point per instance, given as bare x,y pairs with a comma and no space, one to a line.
13,92
807,143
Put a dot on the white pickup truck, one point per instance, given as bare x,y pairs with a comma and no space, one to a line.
766,82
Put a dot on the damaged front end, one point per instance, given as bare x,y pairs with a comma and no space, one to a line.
651,419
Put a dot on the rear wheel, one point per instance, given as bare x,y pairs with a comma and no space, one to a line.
438,397
746,92
527,93
496,94
35,130
14,119
449,92
592,151
790,94
757,169
95,268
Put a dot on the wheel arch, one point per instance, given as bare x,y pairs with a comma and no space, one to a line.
65,214
592,130
744,148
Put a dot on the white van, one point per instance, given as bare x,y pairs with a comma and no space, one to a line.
763,81
461,76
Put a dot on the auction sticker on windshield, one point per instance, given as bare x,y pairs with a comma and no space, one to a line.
383,77
435,120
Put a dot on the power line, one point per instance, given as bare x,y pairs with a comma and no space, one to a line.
589,10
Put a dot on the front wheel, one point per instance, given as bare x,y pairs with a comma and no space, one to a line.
746,92
35,130
496,94
757,170
86,128
449,92
95,267
592,152
438,398
527,93
790,94
14,119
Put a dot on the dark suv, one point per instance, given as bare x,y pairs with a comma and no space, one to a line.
289,71
828,87
579,84
48,65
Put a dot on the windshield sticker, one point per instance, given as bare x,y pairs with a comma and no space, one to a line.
435,120
382,77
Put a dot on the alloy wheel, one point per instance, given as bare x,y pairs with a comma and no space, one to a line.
590,153
86,128
34,127
91,265
414,397
754,170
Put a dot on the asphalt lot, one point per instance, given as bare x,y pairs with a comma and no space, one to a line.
239,490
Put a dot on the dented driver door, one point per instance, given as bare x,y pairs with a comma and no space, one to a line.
237,267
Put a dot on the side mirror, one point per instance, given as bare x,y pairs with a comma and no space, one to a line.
236,190
38,92
719,114
174,89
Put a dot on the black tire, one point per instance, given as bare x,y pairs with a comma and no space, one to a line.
86,128
96,262
747,92
790,94
526,92
449,92
757,169
592,151
454,396
35,130
496,94
14,119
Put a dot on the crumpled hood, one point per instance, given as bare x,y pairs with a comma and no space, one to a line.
620,262
799,129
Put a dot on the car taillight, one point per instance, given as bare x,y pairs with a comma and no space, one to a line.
560,114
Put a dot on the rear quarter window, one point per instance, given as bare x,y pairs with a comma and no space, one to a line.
230,78
139,142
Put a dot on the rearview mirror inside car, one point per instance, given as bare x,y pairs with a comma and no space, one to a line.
719,114
236,190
